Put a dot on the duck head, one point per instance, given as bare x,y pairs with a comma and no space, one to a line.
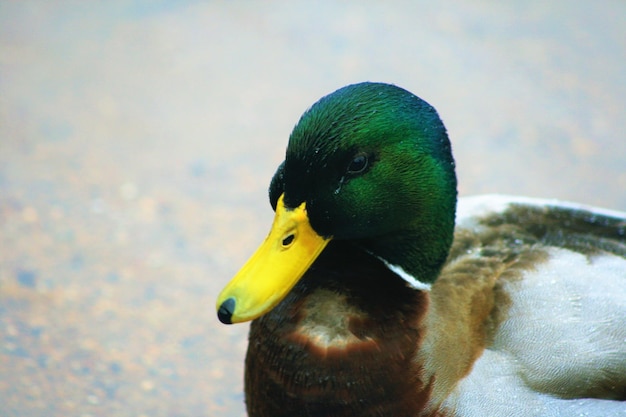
370,164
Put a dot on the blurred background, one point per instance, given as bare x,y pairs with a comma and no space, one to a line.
138,138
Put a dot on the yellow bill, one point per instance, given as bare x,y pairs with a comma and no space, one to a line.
277,265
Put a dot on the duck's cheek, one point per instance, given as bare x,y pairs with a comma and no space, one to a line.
345,228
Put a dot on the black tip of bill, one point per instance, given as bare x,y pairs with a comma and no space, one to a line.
226,310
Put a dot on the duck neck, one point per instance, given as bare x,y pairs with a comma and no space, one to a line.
421,229
416,255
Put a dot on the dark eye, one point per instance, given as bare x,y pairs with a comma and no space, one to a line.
358,163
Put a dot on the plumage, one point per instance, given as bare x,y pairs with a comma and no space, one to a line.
375,294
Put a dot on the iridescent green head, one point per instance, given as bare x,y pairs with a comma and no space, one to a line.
373,164
369,164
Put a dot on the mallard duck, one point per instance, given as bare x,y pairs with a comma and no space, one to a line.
375,295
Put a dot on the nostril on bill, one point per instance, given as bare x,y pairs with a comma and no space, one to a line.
288,240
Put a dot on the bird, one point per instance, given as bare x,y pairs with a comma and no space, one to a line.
379,292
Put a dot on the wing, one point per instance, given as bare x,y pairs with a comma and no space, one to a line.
557,346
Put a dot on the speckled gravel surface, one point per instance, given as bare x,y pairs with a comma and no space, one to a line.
137,140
